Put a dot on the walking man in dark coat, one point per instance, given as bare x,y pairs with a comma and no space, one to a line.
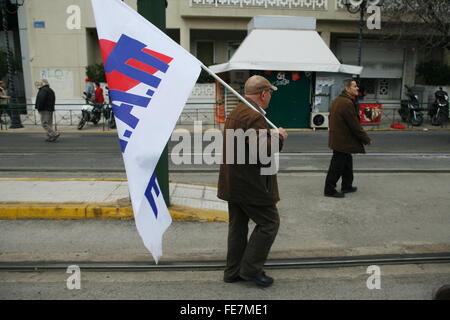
250,194
45,104
346,136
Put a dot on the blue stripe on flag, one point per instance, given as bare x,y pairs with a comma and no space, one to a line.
149,195
123,145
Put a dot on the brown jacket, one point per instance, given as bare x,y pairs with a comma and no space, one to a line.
346,134
243,183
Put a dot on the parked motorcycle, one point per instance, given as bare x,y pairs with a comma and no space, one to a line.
410,110
90,112
109,115
439,109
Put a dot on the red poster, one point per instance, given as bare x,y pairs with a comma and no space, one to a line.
370,113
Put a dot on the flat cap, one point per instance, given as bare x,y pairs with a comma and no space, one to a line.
256,84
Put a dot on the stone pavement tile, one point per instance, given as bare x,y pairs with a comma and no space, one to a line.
210,194
59,191
119,193
172,187
189,191
214,205
188,202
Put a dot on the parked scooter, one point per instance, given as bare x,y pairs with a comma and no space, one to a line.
410,110
439,109
90,112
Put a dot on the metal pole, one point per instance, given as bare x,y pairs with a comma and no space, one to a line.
14,111
54,116
362,9
225,102
155,12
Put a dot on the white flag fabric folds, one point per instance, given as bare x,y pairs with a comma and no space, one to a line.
150,78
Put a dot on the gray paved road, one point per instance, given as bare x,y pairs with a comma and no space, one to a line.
84,152
409,282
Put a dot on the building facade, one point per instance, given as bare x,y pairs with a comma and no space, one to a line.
58,40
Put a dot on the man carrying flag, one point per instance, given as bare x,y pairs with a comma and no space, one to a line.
150,78
250,194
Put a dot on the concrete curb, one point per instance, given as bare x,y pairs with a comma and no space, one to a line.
115,210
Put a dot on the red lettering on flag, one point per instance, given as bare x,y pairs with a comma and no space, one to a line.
118,81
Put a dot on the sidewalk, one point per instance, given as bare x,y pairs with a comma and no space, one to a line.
90,219
63,126
36,198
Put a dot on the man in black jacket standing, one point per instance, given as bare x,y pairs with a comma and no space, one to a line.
45,104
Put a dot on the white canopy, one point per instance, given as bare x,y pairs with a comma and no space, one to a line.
284,50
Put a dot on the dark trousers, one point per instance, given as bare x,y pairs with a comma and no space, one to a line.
247,257
341,165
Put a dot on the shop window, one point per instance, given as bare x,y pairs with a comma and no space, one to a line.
232,48
383,88
205,52
368,86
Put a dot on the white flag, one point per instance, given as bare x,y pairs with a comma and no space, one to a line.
150,78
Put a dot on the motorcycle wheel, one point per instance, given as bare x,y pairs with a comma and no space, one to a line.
403,115
437,119
417,121
81,123
112,124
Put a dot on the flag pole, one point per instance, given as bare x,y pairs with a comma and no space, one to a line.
155,12
226,85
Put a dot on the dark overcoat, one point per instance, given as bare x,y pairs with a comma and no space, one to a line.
345,132
244,183
45,99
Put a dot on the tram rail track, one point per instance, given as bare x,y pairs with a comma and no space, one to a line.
205,265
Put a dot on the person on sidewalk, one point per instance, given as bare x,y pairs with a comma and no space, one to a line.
346,136
99,98
250,194
45,104
89,89
4,101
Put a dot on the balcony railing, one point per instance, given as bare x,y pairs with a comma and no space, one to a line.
339,5
321,5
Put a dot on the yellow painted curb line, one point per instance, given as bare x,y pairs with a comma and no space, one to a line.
117,210
186,214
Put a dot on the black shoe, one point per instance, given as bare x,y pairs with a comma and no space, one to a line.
53,139
233,280
261,280
335,195
352,189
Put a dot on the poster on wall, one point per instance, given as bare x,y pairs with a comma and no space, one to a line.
60,80
370,113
